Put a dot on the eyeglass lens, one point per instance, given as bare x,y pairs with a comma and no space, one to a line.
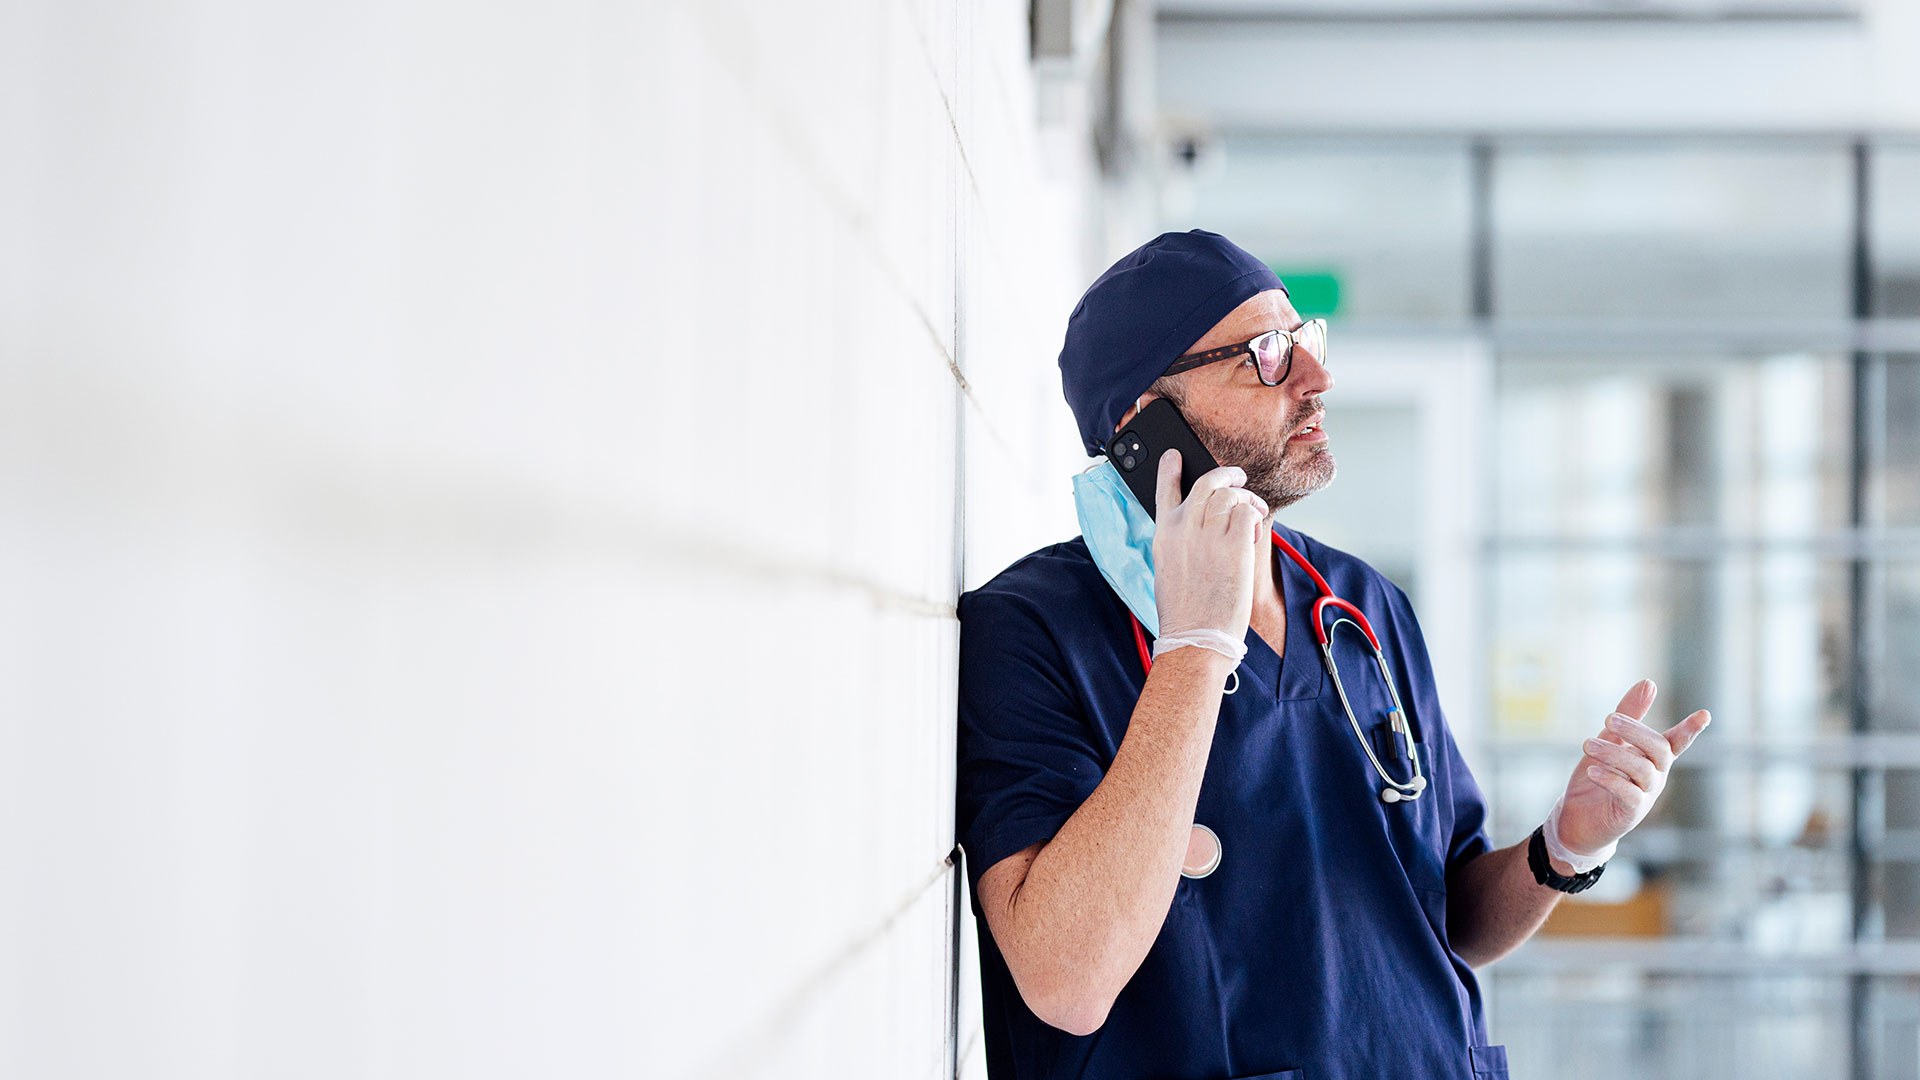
1272,353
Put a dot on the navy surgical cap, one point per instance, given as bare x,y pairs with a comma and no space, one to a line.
1143,314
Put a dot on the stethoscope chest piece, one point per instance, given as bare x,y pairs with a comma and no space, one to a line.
1203,853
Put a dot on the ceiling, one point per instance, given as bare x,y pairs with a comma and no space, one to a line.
1494,67
1432,11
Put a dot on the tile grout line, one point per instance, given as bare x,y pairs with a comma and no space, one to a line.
787,136
785,1015
959,220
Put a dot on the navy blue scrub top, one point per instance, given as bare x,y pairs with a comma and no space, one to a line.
1318,949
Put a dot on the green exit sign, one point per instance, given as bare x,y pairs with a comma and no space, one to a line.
1313,292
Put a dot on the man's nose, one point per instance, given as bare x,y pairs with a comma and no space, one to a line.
1309,376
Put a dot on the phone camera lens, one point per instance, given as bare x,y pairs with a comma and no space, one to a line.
1127,462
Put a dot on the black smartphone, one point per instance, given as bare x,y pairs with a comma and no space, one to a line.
1136,451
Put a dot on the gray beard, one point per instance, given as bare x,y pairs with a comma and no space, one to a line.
1270,475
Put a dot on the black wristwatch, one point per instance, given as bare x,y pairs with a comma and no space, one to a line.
1544,873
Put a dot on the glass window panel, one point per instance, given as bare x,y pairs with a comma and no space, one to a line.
1895,888
1611,1022
1753,855
1618,446
1672,231
1390,225
1758,636
1895,477
1894,220
1893,601
1687,516
1893,1026
1750,841
1607,1023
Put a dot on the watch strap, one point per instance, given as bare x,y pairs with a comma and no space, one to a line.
1545,874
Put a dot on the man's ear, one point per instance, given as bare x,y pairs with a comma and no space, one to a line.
1134,410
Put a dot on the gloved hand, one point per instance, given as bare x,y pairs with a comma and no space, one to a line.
1617,780
1203,551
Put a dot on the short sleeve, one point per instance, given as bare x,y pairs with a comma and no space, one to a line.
1469,838
1028,755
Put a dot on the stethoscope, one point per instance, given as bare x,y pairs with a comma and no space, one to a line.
1204,850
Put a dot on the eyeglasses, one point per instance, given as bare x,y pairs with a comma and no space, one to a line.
1272,351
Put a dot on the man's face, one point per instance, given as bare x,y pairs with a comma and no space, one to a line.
1276,433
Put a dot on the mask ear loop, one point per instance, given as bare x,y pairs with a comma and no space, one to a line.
1235,676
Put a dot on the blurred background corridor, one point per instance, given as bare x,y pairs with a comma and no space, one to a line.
483,492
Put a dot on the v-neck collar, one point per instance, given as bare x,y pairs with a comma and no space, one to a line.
1298,675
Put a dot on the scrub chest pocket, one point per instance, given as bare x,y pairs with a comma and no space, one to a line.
1489,1062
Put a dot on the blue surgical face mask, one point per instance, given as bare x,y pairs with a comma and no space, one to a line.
1119,535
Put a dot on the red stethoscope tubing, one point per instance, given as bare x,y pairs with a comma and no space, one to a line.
1396,790
1327,599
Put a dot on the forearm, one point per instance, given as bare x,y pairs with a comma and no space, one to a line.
1494,904
1096,896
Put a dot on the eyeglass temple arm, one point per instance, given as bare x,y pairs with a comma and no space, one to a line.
1194,360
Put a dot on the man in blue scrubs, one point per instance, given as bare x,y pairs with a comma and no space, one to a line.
1195,873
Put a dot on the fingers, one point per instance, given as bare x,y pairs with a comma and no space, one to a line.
1628,760
1630,750
1641,738
1624,791
1246,517
1221,478
1638,699
1254,501
1222,501
1681,735
1167,483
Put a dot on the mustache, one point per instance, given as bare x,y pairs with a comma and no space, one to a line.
1307,408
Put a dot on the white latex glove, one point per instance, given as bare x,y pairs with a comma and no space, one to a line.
1203,552
1619,776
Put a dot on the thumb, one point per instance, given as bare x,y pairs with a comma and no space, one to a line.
1166,492
1681,735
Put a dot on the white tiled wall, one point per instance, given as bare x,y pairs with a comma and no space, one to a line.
482,495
